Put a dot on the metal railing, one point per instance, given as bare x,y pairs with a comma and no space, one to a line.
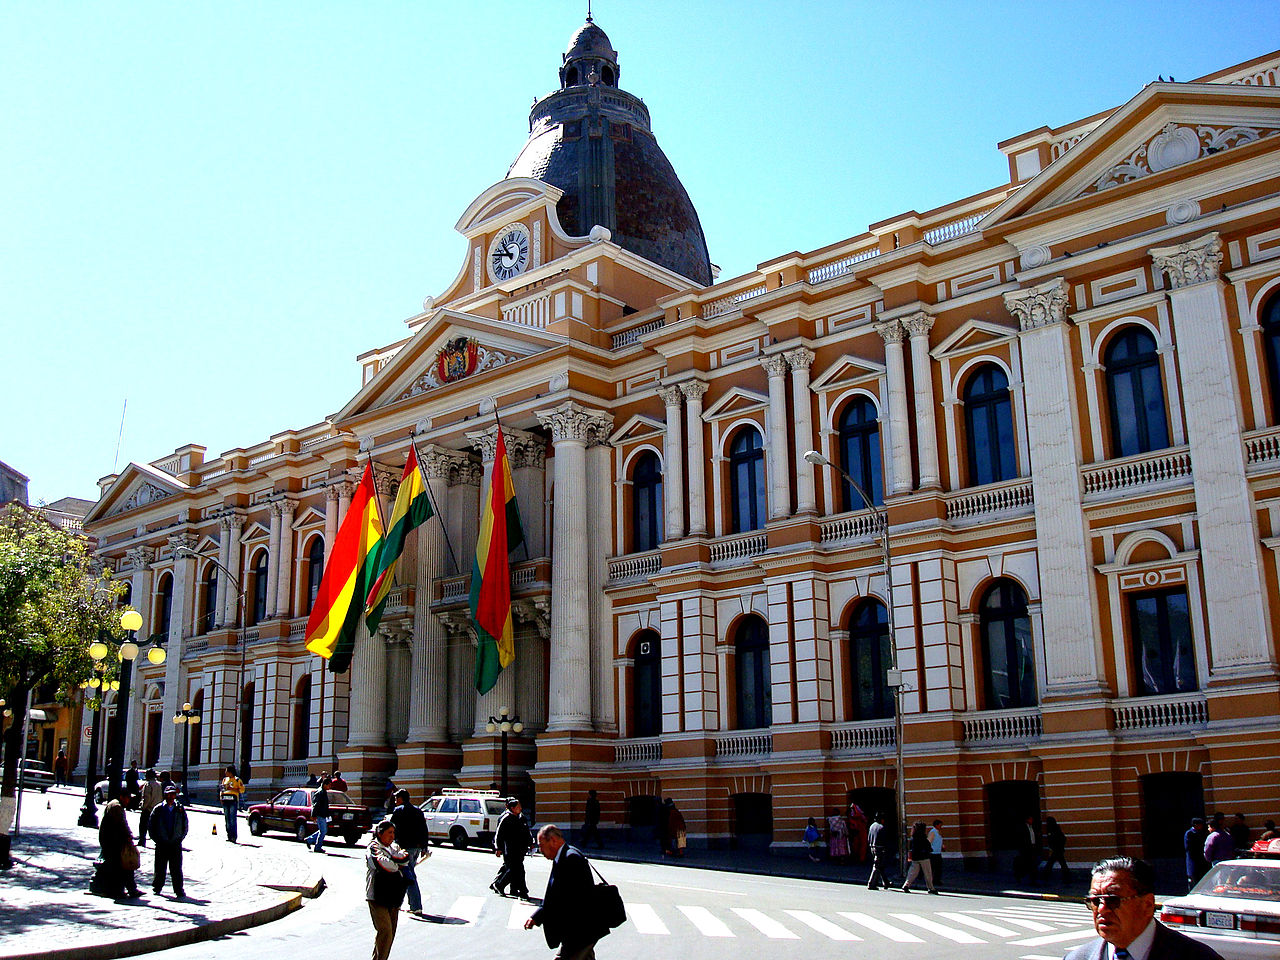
294,770
742,546
994,498
1175,710
635,566
1160,466
992,725
862,735
648,750
756,743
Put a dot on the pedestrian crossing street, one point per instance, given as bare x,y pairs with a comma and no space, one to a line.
1051,927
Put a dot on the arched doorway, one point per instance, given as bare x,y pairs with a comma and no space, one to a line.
752,827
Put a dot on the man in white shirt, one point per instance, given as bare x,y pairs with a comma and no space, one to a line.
936,844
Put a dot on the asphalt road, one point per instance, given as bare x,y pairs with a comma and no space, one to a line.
674,912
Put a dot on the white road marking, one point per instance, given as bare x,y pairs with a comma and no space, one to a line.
1028,924
980,924
765,924
645,919
825,926
1039,956
1056,938
942,930
466,909
678,886
882,928
707,925
520,912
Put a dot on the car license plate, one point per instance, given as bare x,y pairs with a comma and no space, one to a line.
1220,921
348,816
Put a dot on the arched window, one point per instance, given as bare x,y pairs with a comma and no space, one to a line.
869,657
209,616
1271,345
1160,628
860,452
746,480
646,503
1009,676
751,668
302,719
164,607
315,570
646,685
260,587
988,418
126,598
1136,392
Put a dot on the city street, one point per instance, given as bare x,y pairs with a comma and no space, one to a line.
673,912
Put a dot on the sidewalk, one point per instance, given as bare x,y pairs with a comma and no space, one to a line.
46,909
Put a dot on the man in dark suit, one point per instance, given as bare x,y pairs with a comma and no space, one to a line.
1122,898
566,914
511,842
168,829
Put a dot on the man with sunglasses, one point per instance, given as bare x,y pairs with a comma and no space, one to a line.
1122,899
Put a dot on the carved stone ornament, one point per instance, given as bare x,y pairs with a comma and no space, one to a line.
918,324
1041,305
891,331
1196,261
800,358
572,421
775,366
145,495
694,390
671,395
456,362
535,611
183,543
447,465
1036,255
140,557
1183,211
1173,146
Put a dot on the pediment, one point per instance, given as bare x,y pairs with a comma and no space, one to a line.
505,200
207,546
973,335
254,532
309,517
1166,126
138,485
737,400
639,427
848,369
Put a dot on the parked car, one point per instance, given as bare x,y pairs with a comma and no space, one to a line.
100,793
35,775
1235,908
290,811
463,816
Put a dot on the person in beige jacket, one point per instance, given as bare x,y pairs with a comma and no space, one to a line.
152,796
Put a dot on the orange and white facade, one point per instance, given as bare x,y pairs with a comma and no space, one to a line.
1064,392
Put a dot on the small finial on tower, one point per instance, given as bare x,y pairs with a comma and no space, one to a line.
589,20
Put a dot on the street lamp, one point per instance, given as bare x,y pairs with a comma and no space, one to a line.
186,716
131,623
506,723
99,684
893,675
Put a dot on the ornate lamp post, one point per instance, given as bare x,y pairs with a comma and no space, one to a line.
506,723
893,675
130,622
99,684
186,717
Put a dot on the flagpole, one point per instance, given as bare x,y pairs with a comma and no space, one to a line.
426,483
377,500
524,542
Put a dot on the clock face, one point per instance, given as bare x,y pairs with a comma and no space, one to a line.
509,252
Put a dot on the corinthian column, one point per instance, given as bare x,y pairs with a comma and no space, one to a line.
368,723
184,594
672,466
225,611
284,568
800,360
779,482
234,554
1235,597
572,428
919,325
330,519
694,391
899,438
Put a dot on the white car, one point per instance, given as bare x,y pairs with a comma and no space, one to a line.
1235,908
462,817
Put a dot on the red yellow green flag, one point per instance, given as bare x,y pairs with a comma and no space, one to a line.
412,509
335,616
500,533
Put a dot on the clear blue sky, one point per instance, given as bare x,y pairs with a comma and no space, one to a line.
211,208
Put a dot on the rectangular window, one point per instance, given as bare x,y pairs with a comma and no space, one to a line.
1163,654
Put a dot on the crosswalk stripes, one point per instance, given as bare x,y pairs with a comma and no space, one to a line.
951,933
765,924
882,928
706,922
1035,925
1054,938
467,909
822,925
520,912
979,924
645,919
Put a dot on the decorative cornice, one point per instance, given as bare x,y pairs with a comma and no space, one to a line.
891,331
774,366
1041,305
573,422
918,324
1196,261
801,358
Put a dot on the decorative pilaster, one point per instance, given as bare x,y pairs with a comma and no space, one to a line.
235,554
284,569
273,557
779,481
331,511
801,360
694,391
368,721
226,612
892,332
180,619
918,326
672,463
399,685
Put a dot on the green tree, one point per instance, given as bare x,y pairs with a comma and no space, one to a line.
53,604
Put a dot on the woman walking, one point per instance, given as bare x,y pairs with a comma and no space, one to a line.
837,836
384,886
1056,841
919,854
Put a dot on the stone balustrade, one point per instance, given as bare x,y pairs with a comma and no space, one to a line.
850,527
1176,710
635,333
995,725
744,743
742,546
647,750
1001,497
838,268
1161,466
956,228
728,304
634,566
862,736
1262,446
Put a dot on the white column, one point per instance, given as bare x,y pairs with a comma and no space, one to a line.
572,428
919,325
429,692
273,557
142,587
235,553
779,481
399,666
800,360
368,721
284,564
226,610
899,436
1235,597
694,391
180,621
331,510
1073,654
672,465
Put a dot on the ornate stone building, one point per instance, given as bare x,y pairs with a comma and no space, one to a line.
1063,393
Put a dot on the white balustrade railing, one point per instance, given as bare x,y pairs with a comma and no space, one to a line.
294,770
533,312
838,268
298,629
638,751
263,458
996,498
521,576
1262,446
455,588
1159,467
206,477
740,547
956,228
862,735
252,635
171,465
993,725
635,566
1176,710
743,744
726,304
860,525
315,440
635,333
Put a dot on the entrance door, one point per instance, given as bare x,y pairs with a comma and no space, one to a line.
881,800
1169,801
642,818
1009,803
752,821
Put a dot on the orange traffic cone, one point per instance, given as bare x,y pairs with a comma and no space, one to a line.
48,804
215,828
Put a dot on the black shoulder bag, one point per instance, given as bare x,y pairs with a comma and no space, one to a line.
606,902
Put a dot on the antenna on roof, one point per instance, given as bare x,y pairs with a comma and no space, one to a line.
120,436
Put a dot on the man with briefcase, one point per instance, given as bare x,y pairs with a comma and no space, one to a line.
569,916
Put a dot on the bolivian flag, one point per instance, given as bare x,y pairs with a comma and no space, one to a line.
500,533
331,628
412,509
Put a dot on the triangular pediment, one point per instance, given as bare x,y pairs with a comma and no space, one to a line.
309,517
848,369
638,427
973,335
255,531
138,485
1166,126
207,546
736,401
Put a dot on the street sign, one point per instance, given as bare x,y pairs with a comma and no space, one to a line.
88,732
